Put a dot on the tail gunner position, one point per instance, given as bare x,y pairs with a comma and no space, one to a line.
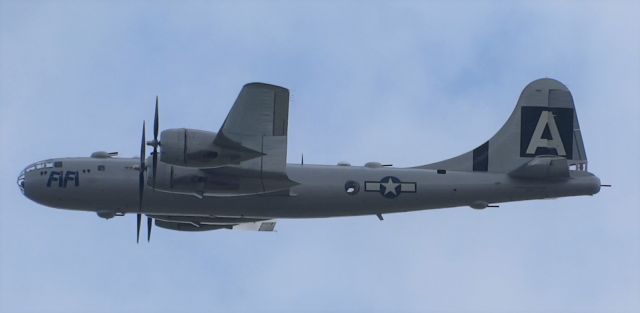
197,180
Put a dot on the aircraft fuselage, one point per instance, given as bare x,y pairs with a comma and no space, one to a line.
110,186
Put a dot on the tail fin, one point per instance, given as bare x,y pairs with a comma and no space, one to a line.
544,123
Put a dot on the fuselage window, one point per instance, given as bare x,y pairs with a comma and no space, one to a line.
101,168
57,164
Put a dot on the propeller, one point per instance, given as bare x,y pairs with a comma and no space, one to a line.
155,143
140,183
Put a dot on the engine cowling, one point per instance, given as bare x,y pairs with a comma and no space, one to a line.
179,179
199,148
194,181
187,147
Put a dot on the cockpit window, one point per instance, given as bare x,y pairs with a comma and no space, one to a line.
39,166
57,164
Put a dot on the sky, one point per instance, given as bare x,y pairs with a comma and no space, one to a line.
401,82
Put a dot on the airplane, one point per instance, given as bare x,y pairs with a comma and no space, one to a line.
238,178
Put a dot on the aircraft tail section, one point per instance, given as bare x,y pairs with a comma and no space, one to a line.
543,130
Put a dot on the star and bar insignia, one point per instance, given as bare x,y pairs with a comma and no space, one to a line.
390,187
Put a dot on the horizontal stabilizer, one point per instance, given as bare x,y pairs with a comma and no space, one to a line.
543,167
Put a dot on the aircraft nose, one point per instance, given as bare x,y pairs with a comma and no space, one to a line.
20,181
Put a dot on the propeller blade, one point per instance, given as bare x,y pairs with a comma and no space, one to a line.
140,183
142,168
142,145
149,224
139,219
155,123
156,143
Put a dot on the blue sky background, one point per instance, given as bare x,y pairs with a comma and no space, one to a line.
407,83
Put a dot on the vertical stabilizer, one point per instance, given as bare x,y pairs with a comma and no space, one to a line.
544,123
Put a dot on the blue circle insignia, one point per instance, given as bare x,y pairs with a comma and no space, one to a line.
390,187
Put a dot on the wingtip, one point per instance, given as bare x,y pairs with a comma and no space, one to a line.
265,85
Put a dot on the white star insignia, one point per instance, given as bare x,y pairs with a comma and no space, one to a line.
390,186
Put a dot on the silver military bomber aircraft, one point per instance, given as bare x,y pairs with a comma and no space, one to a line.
197,180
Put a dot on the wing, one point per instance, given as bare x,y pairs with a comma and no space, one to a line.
260,110
247,156
195,223
258,122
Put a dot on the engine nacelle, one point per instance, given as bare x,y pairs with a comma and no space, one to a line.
178,179
199,148
187,147
194,181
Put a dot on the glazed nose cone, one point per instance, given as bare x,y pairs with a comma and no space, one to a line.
21,181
